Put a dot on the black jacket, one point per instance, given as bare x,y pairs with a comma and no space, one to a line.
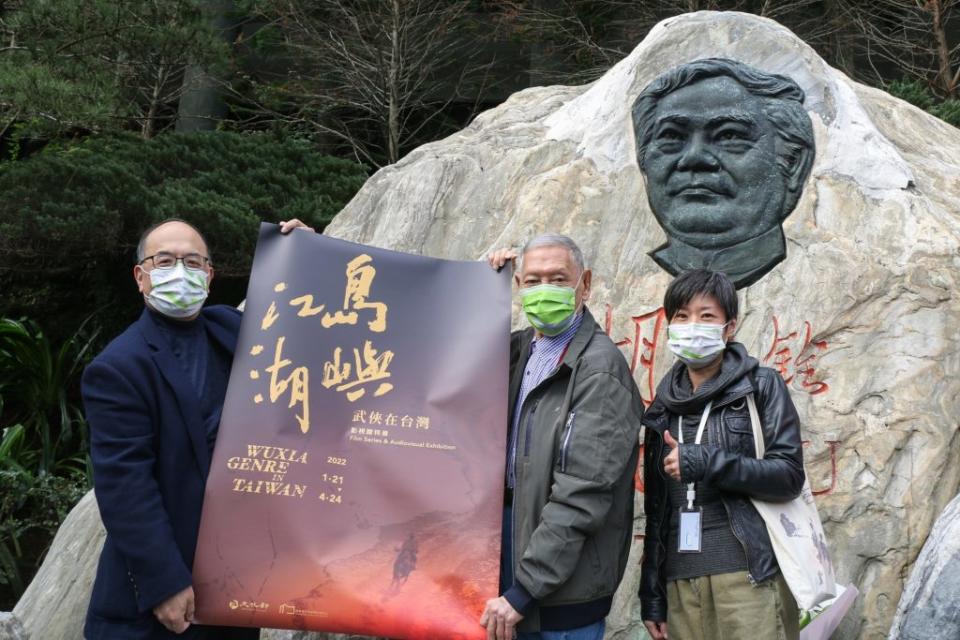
732,467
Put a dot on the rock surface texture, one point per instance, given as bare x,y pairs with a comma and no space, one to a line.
54,606
860,317
10,627
928,608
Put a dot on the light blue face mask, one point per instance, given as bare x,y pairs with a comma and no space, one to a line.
177,292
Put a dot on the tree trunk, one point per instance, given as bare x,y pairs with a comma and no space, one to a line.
149,126
945,79
393,89
201,105
841,38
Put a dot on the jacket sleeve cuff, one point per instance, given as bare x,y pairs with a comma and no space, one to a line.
519,598
692,462
157,589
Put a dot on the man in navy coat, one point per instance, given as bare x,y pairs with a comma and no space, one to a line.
153,400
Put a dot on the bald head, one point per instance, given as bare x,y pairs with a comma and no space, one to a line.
173,229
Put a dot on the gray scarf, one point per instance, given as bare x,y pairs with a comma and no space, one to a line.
675,395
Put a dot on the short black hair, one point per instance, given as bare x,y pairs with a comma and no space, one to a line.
691,284
142,244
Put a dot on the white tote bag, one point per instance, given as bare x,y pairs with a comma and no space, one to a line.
797,536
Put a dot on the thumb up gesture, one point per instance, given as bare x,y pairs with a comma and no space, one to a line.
671,463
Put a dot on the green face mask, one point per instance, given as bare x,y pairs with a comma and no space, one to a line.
549,307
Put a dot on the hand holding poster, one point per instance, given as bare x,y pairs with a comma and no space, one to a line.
357,480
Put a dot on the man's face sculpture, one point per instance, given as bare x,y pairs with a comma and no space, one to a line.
711,168
722,172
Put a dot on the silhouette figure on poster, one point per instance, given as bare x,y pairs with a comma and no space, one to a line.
405,563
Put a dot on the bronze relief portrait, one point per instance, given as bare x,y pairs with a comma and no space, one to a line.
725,150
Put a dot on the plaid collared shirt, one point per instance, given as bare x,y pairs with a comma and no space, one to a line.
545,355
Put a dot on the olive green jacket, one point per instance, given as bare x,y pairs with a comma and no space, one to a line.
576,457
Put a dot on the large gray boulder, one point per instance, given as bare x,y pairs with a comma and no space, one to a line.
930,606
55,604
860,317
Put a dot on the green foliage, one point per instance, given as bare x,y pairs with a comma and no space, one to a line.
100,64
913,91
44,467
86,199
920,95
31,509
44,431
948,111
71,216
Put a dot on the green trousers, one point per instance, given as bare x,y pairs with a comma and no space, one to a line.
728,607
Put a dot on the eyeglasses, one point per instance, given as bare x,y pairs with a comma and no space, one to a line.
164,260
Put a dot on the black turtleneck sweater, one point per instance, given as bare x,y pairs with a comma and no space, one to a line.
205,364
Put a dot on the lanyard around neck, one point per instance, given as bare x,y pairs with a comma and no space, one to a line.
691,490
703,424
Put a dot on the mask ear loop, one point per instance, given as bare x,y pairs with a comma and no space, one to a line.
733,334
577,286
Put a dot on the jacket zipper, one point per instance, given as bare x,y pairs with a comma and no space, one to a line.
566,441
516,483
664,518
721,436
528,429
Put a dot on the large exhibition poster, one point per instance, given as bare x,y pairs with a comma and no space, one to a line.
357,480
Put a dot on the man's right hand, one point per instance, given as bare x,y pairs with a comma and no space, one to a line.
500,257
286,226
176,612
671,464
657,630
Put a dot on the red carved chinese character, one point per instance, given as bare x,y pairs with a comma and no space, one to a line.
832,444
644,350
806,360
638,478
781,356
608,327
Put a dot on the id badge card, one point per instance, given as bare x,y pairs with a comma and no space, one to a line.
691,521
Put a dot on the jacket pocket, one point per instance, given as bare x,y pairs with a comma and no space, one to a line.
604,574
113,596
565,442
737,416
736,421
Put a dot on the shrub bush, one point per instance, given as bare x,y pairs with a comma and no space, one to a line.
32,507
71,214
43,428
913,91
44,467
919,94
948,111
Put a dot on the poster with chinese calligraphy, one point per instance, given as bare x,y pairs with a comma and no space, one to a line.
356,484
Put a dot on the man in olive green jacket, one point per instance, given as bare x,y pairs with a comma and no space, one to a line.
571,456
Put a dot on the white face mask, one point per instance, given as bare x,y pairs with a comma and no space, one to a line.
697,345
177,292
